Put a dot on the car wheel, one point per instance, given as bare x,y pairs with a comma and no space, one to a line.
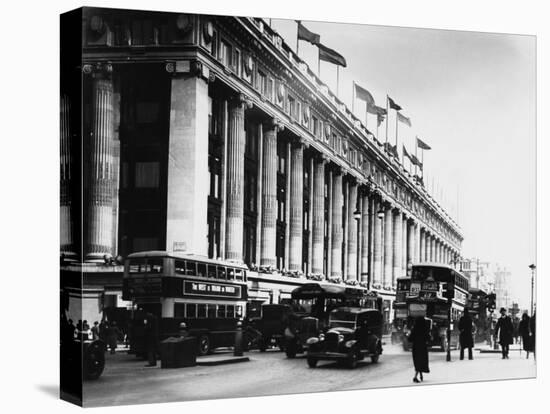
374,358
291,350
312,362
204,345
351,361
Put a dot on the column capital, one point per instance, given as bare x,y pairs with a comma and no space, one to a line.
192,67
98,69
274,123
241,100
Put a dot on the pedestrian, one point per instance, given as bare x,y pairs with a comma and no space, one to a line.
103,330
466,327
95,331
515,323
419,337
112,336
151,337
525,333
533,328
504,330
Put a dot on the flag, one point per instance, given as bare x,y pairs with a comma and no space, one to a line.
403,118
376,110
329,55
406,154
393,105
305,34
380,118
415,161
422,144
364,95
391,149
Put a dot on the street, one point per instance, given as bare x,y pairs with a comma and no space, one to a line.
127,381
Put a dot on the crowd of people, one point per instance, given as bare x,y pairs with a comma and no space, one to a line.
504,332
106,331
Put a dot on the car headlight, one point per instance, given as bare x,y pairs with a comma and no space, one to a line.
350,343
322,337
340,338
312,341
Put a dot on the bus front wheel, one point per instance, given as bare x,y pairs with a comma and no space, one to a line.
204,345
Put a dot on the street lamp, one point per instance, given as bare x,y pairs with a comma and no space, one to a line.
532,267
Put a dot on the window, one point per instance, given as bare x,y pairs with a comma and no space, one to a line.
191,268
191,310
221,311
292,106
221,273
315,124
147,174
201,310
230,273
211,311
237,62
226,53
230,311
212,271
262,83
270,86
179,267
201,269
239,274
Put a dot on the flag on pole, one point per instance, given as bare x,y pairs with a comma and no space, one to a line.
406,153
411,157
422,144
380,118
404,119
305,34
391,149
364,95
393,105
332,56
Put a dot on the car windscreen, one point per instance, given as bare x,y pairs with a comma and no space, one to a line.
342,319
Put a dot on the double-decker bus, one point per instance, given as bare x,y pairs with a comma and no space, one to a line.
435,291
208,295
311,304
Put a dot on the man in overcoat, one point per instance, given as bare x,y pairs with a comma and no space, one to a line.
465,326
504,331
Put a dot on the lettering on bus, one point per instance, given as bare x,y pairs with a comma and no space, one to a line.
211,289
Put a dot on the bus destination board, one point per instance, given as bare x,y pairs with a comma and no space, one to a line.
211,289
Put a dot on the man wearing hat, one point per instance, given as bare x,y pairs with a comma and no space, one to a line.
504,330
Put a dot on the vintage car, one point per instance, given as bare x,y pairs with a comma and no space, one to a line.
352,334
272,324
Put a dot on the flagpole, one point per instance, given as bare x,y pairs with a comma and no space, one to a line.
387,116
297,37
416,156
319,63
353,98
338,81
396,127
366,113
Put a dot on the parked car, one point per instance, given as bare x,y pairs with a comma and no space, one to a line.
272,324
353,334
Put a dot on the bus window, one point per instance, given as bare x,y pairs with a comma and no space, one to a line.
201,269
179,310
221,272
201,310
230,311
238,311
191,268
230,273
238,274
212,271
191,310
155,265
179,267
211,311
221,311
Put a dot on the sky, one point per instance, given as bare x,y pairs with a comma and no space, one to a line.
472,97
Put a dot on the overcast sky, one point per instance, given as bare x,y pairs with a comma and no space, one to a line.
469,95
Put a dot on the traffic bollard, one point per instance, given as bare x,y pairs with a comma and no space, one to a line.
238,350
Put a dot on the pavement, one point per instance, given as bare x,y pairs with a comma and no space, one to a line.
126,380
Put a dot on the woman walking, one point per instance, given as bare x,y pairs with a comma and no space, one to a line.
525,333
419,336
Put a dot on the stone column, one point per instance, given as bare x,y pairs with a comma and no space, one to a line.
235,180
404,244
259,192
411,246
432,248
377,277
397,249
188,178
269,196
287,205
67,225
352,232
426,255
417,242
311,173
365,239
388,253
99,204
318,230
296,206
337,232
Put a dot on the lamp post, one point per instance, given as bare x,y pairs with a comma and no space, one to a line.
532,267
